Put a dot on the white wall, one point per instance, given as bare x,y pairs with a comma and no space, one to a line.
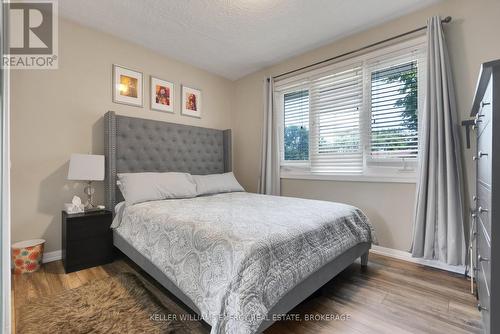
472,39
59,112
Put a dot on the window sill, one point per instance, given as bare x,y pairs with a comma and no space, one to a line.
410,178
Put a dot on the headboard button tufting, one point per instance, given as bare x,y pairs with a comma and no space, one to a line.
140,145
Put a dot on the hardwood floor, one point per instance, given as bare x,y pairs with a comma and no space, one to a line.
390,296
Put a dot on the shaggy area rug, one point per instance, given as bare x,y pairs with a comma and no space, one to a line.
118,304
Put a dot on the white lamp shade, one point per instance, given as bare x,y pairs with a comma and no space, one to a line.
86,167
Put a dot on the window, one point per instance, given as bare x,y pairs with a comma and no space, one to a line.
354,118
296,134
394,117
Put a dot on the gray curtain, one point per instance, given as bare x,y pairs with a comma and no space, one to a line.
438,231
269,181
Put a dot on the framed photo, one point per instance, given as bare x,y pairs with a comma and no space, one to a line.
162,95
191,102
127,86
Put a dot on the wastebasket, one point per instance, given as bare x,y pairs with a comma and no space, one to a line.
27,255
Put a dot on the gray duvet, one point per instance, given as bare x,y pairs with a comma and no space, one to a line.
236,254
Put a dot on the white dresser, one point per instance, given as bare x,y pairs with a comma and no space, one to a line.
486,224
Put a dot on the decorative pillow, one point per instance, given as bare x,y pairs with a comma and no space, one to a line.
216,183
143,187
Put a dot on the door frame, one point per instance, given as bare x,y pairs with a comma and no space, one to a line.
6,312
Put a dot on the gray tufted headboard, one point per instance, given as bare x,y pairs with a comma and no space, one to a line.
134,145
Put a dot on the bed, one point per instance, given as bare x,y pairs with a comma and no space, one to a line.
239,260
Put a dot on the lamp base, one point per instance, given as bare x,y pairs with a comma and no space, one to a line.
89,191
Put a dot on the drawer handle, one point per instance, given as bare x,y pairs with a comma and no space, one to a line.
485,104
482,259
481,308
481,209
482,154
477,119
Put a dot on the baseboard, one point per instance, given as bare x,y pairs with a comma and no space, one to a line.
406,256
52,256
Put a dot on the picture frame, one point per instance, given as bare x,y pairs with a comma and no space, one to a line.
191,101
127,86
162,95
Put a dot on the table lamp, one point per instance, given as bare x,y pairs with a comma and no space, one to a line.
87,167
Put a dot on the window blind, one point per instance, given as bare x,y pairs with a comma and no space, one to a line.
336,101
394,108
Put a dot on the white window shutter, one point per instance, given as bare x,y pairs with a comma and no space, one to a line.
394,102
355,117
296,125
336,101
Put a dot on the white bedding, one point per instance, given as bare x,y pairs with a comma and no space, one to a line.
236,254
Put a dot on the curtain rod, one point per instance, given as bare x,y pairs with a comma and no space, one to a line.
445,20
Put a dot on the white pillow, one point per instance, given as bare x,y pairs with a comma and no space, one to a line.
143,187
216,183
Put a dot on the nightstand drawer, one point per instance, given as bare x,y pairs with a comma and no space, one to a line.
88,253
84,228
87,240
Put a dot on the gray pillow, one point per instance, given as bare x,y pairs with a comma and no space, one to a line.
216,183
143,187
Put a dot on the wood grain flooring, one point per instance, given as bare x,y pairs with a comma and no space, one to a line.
390,296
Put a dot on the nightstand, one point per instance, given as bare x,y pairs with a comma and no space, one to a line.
87,240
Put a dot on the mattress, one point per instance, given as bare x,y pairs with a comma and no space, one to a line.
236,254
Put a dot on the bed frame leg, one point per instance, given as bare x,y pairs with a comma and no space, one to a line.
364,260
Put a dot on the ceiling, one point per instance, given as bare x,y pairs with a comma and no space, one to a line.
234,38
